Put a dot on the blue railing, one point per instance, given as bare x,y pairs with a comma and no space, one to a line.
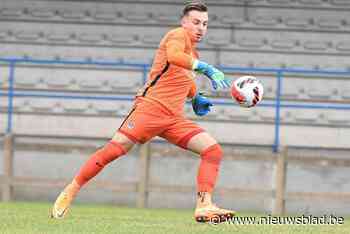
277,104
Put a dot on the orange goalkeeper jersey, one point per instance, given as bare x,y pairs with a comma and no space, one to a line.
171,80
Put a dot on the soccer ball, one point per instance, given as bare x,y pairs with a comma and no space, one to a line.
247,91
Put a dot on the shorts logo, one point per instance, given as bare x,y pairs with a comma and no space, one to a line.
130,125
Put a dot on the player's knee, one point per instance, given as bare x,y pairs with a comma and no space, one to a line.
212,154
123,140
111,151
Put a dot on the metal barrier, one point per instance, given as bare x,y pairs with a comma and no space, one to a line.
277,104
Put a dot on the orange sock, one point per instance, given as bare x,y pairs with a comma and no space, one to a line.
209,168
111,151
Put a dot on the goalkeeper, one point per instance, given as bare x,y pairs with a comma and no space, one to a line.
159,111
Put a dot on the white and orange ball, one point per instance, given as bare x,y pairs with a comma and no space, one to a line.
247,91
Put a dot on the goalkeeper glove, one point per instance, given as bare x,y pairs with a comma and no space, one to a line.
216,77
201,105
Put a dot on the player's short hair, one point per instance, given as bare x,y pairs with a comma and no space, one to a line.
194,5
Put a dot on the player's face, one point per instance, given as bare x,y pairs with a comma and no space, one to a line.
196,24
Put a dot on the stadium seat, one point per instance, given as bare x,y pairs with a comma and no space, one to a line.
58,37
312,2
42,104
74,106
105,16
268,114
305,116
18,104
299,22
215,40
285,44
317,93
137,16
338,117
152,39
89,84
105,107
121,38
89,38
42,13
345,94
4,34
11,12
31,81
28,35
166,17
343,46
284,2
239,114
251,42
316,45
58,82
231,19
340,2
71,14
329,23
266,20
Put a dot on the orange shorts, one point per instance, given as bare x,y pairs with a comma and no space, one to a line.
147,120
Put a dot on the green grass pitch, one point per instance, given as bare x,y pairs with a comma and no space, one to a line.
33,218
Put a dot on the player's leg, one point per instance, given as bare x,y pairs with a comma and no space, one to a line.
211,155
138,127
190,136
116,147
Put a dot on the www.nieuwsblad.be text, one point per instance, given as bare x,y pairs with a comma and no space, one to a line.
286,220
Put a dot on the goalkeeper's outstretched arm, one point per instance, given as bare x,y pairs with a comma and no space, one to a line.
176,55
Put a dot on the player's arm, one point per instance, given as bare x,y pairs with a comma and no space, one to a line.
175,50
